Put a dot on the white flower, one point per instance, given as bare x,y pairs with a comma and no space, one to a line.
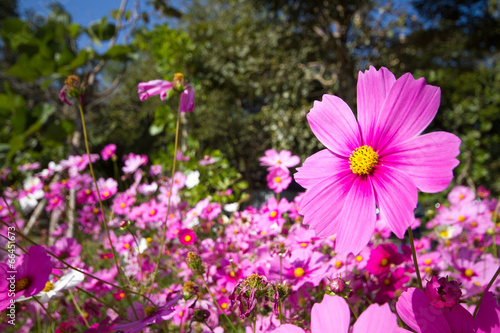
232,207
192,179
68,281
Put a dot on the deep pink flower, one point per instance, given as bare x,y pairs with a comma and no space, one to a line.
278,179
32,273
382,257
378,161
186,236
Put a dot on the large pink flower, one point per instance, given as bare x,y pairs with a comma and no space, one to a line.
378,161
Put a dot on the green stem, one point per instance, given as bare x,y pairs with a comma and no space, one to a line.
484,292
78,309
164,229
352,309
414,254
48,314
217,304
255,321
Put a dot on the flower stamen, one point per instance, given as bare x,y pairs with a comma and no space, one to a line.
363,160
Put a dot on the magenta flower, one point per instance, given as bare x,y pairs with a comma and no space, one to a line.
378,161
443,293
186,236
332,315
32,273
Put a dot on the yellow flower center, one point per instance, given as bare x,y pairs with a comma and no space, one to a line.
223,290
461,196
1,207
387,282
473,224
469,272
48,286
22,284
303,244
149,310
384,262
95,210
232,273
106,194
187,238
444,233
427,269
362,160
123,205
461,218
273,214
277,179
359,258
339,264
224,305
153,212
126,245
428,261
299,272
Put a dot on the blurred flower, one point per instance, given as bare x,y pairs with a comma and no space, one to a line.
282,160
161,87
278,179
108,151
378,161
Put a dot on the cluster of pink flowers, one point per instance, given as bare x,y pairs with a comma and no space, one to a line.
132,254
278,177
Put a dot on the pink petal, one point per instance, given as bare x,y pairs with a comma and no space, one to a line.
333,123
322,204
396,198
357,221
407,111
488,315
373,88
415,310
288,328
330,316
459,319
187,99
377,319
319,166
428,159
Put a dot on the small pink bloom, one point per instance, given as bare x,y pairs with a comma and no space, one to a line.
108,151
282,160
186,237
278,179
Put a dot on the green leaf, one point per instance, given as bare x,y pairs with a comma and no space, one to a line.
156,129
118,51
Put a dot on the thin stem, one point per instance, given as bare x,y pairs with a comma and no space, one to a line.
254,321
48,314
487,288
414,254
104,222
102,302
217,304
352,309
494,219
12,218
164,229
82,314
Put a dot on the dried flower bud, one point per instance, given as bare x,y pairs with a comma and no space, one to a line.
71,83
200,315
179,82
194,262
189,289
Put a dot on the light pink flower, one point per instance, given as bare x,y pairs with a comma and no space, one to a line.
283,159
332,315
278,179
108,151
378,161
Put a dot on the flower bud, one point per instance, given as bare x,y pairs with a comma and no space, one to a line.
189,289
194,262
200,315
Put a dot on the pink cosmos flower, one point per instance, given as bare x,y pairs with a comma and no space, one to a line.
283,159
382,258
107,187
29,166
133,162
278,179
378,161
332,315
161,87
108,151
32,273
207,160
186,236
